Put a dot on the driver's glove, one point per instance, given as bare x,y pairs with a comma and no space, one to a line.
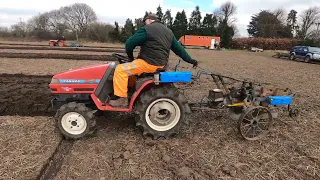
130,56
194,62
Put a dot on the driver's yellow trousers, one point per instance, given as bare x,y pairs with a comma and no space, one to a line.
123,71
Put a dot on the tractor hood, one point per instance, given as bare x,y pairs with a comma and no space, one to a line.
86,74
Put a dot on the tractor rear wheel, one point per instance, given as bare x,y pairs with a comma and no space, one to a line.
160,112
75,120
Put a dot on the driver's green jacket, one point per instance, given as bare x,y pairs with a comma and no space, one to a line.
140,37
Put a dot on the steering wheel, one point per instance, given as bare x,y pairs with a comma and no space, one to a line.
121,58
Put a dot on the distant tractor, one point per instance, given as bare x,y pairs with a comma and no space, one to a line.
64,43
210,42
60,42
57,43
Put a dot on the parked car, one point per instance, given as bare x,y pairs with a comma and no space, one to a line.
306,53
255,49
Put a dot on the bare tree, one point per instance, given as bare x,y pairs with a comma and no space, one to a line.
57,22
235,30
309,19
39,27
280,15
78,17
39,22
4,32
228,9
100,31
19,29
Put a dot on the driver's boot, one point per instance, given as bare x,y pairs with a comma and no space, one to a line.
120,102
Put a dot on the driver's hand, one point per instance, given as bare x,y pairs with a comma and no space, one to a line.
195,63
130,57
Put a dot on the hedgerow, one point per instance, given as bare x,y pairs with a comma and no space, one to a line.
264,43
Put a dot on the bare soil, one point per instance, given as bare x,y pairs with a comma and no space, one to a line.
27,51
41,66
46,43
46,49
57,56
25,95
210,147
26,144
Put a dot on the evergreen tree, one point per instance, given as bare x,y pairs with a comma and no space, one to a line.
159,13
195,22
127,30
180,24
138,23
167,19
267,25
115,34
226,33
209,25
292,21
146,14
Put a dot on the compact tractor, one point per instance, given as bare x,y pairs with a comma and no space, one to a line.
63,43
159,107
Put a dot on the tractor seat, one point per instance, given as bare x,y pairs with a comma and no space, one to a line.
143,75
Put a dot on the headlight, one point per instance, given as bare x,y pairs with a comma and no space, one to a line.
316,55
54,81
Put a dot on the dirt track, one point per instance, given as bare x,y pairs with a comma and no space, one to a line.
26,145
25,95
58,56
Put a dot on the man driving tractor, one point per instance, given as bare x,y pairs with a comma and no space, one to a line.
155,41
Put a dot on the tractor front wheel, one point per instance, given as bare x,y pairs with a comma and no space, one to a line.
75,120
160,112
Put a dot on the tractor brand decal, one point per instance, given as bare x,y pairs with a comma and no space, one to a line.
79,81
92,81
71,81
66,88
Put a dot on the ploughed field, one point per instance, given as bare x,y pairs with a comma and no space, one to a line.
209,147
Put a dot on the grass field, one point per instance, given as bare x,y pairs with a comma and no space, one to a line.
210,147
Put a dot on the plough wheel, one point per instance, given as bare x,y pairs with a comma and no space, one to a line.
293,112
255,123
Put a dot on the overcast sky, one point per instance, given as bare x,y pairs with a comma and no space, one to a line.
119,10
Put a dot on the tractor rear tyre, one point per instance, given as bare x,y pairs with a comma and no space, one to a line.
160,112
75,120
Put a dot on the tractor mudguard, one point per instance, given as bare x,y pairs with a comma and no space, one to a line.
139,91
146,84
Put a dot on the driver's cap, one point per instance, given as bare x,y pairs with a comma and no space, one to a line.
151,16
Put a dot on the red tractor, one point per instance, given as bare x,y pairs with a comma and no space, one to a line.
158,105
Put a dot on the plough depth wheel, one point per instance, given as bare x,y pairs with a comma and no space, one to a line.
255,123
